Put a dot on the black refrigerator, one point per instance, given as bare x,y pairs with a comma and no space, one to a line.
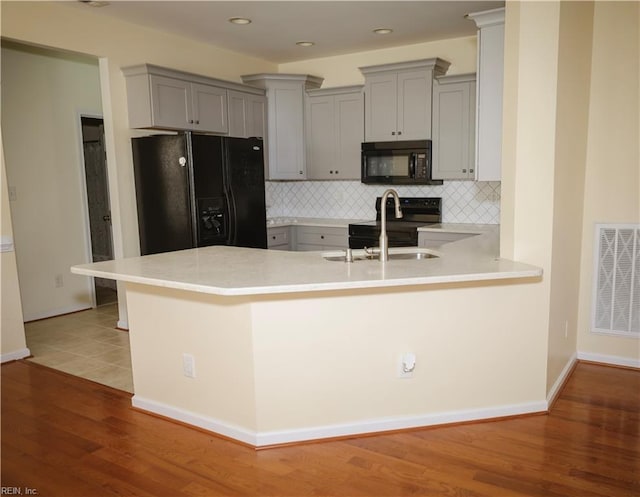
198,190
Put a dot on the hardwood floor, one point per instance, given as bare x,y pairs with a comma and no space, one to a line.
63,436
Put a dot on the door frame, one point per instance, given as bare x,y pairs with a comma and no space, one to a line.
85,200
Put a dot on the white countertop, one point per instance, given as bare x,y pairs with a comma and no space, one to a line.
461,228
225,270
277,222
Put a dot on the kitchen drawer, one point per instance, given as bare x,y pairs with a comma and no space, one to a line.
278,238
319,238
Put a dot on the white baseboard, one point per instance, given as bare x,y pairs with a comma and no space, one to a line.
609,359
56,312
123,324
555,389
210,424
262,439
15,355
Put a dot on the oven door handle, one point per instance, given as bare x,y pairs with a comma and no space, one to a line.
412,165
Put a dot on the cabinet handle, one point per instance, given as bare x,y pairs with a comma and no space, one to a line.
190,121
197,122
471,171
321,237
299,172
464,170
273,237
337,171
399,132
393,133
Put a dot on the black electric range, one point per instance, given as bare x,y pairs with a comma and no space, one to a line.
403,232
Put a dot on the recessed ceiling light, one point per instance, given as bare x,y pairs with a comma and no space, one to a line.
94,3
240,20
383,31
305,43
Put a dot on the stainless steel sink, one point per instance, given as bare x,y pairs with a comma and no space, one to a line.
408,253
412,256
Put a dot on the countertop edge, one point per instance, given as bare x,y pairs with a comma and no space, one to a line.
533,272
311,221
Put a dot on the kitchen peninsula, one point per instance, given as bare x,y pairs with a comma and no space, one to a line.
270,347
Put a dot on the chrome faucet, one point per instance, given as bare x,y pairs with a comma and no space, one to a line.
384,241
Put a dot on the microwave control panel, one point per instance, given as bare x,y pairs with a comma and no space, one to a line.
421,166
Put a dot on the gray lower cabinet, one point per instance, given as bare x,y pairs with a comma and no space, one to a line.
454,117
321,238
334,132
278,238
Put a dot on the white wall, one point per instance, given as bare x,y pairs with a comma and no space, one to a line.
12,340
343,70
572,118
570,157
530,123
43,95
317,364
612,180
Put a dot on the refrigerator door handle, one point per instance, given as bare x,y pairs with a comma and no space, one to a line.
182,161
231,218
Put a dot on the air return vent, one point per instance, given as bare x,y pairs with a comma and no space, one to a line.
616,296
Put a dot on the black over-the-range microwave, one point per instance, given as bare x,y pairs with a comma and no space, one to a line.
397,163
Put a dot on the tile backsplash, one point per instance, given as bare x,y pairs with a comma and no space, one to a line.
462,201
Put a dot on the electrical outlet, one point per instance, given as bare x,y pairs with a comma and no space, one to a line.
406,365
13,195
59,282
188,365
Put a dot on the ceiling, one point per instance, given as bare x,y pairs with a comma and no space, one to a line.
336,27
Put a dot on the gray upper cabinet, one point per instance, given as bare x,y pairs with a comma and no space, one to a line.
334,133
285,118
398,99
162,98
490,25
454,104
209,108
247,114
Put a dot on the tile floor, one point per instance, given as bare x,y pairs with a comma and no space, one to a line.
84,344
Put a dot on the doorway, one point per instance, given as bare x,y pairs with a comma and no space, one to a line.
99,209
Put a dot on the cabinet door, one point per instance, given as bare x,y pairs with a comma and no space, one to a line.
381,107
320,137
453,130
349,128
286,132
278,238
170,102
247,114
256,116
238,110
209,108
489,121
414,105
